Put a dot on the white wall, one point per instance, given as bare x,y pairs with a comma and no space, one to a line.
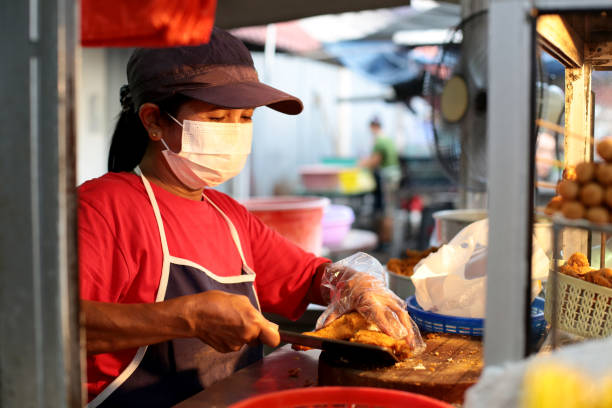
283,143
92,116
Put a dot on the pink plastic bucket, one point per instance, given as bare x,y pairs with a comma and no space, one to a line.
318,177
337,221
296,218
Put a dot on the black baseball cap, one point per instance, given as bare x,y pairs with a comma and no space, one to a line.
220,72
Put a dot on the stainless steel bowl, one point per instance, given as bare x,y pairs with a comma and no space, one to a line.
401,285
450,222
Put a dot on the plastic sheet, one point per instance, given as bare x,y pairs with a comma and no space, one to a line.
358,283
548,380
452,281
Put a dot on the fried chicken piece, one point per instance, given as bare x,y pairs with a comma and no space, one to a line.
401,266
575,271
601,277
400,348
343,327
340,329
406,266
578,259
374,338
354,327
413,253
576,266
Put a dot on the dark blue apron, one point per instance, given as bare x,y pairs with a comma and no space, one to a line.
162,375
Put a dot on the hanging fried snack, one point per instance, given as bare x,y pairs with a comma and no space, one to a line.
554,205
591,194
604,173
598,215
572,210
568,189
569,173
604,149
585,172
608,196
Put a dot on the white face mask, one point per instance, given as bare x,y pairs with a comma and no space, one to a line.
211,152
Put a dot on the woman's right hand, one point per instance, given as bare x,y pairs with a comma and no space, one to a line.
226,321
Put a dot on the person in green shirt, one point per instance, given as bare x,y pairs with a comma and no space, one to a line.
384,153
384,164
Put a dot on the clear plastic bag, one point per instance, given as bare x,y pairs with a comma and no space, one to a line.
358,283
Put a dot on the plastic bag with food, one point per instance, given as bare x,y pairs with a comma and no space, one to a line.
452,281
357,283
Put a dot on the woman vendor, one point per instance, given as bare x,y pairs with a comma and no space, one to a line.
175,275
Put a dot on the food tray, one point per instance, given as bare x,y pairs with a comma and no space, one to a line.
439,323
341,397
584,309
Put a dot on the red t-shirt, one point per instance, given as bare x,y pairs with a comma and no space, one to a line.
120,255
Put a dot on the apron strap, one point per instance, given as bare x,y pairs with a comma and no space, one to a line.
234,234
158,217
163,282
162,233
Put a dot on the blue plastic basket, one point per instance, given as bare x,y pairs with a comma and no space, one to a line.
439,323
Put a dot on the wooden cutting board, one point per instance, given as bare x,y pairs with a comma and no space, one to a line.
448,367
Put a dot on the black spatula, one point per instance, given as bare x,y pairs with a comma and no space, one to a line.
343,350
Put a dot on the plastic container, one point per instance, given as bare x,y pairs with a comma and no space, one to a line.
296,218
349,180
439,323
318,177
358,397
449,222
584,308
340,161
337,221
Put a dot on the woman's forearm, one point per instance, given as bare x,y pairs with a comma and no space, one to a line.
113,326
222,320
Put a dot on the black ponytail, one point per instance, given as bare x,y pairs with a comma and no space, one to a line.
129,143
130,138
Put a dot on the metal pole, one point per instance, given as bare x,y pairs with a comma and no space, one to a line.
554,295
602,251
39,335
509,181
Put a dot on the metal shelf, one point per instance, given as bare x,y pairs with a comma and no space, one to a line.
560,221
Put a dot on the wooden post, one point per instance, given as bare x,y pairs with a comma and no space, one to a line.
578,120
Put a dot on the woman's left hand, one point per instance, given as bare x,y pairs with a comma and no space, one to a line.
352,290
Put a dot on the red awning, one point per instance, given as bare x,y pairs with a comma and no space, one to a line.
146,23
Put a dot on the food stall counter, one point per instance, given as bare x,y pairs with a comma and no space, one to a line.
282,369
